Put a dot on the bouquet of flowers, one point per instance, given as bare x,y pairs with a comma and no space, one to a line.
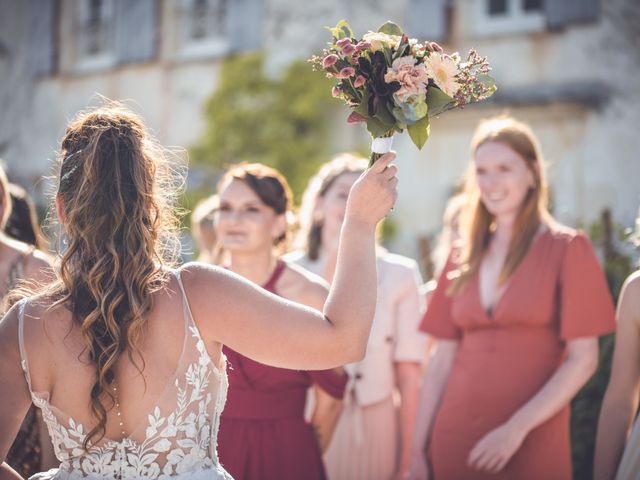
392,82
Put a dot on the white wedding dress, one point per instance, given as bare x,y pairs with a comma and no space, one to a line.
178,440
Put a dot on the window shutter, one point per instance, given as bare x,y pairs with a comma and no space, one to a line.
43,40
245,24
135,28
561,13
427,19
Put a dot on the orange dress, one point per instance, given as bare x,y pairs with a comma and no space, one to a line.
557,293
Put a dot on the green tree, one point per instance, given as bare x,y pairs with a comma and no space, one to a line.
283,122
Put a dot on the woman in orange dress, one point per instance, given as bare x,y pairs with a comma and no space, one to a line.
517,312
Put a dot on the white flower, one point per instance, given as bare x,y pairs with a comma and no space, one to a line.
378,40
443,70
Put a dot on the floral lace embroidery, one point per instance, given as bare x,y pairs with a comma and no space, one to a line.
181,442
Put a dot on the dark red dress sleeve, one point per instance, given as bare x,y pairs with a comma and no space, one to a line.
331,381
586,306
438,320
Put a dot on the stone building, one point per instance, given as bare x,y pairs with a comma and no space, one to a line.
568,67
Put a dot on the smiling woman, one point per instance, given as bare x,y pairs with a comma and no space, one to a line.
517,312
263,433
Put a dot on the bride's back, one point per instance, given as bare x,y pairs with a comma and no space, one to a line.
59,363
163,419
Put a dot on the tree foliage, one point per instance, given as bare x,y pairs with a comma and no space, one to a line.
283,122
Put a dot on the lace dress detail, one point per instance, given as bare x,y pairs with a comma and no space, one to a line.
178,440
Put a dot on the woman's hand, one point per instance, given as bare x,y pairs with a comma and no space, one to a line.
374,193
496,448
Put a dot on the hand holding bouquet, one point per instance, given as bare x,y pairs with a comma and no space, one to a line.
393,83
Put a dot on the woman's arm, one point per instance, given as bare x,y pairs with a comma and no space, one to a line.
281,333
433,387
408,375
14,392
326,414
8,473
621,399
497,447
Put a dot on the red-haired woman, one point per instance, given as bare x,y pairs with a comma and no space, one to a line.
263,432
517,314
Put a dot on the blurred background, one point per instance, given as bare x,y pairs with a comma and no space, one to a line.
228,81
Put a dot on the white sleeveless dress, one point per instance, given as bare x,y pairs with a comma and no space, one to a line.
179,439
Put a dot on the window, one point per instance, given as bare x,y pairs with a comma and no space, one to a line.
497,17
96,39
203,25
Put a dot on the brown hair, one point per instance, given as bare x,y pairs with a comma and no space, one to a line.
310,235
477,223
22,223
202,226
117,191
269,185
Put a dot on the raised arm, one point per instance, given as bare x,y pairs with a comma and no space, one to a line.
277,332
620,402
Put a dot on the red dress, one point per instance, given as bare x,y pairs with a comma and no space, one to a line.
263,433
557,293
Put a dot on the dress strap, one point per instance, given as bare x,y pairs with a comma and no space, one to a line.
23,351
185,300
275,276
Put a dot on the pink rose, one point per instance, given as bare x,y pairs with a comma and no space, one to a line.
336,91
329,61
346,72
360,80
343,43
412,78
348,50
362,46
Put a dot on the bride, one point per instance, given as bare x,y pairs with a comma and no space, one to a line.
122,353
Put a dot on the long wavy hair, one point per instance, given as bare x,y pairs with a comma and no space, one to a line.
477,223
309,237
117,191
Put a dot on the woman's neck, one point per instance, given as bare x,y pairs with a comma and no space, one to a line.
256,267
504,231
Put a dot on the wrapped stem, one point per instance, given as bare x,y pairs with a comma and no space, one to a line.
380,146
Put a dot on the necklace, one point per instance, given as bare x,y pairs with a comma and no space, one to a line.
115,394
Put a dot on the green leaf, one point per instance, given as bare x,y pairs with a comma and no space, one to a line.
385,116
341,30
376,127
488,82
419,131
391,28
438,101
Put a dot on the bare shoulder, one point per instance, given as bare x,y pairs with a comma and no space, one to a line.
629,302
303,286
38,265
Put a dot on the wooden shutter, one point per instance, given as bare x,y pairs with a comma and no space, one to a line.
136,30
561,13
42,48
245,24
427,19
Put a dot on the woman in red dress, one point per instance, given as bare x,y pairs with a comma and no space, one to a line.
263,432
517,314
